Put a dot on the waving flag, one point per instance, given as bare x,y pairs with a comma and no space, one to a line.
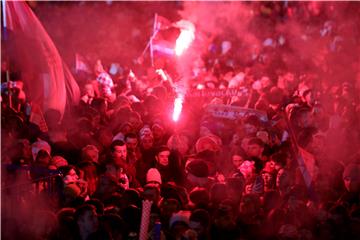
162,23
48,82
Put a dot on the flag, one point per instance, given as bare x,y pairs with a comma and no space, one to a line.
307,166
162,23
80,64
163,47
47,80
161,42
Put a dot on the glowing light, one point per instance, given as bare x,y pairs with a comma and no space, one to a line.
177,108
162,74
131,74
183,41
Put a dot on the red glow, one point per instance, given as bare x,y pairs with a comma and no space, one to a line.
183,41
177,108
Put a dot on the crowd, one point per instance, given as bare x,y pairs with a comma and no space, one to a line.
287,168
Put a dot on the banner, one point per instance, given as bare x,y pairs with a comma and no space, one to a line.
307,166
230,92
47,81
233,112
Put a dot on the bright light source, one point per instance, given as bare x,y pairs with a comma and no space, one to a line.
183,41
162,74
177,108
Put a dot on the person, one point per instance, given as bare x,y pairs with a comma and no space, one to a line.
237,158
104,81
351,178
255,152
132,142
200,223
87,221
118,166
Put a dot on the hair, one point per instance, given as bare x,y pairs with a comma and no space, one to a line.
97,204
202,216
81,210
130,135
238,151
257,141
116,143
162,149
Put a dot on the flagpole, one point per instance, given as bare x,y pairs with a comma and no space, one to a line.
294,150
3,9
151,45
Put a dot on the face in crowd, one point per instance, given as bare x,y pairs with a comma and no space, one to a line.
163,158
119,154
131,144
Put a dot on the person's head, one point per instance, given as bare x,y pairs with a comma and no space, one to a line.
179,223
237,157
247,169
146,138
42,158
308,97
89,153
255,148
251,124
280,160
268,178
199,197
86,219
158,131
70,174
351,178
245,142
250,204
200,222
152,193
162,156
168,207
131,141
100,104
283,180
147,142
118,152
224,217
89,90
197,171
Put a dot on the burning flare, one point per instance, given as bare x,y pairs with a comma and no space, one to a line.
177,108
187,35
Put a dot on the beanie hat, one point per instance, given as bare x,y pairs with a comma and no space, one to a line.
87,150
206,143
119,136
40,145
181,216
153,176
145,131
198,168
178,142
199,195
58,161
